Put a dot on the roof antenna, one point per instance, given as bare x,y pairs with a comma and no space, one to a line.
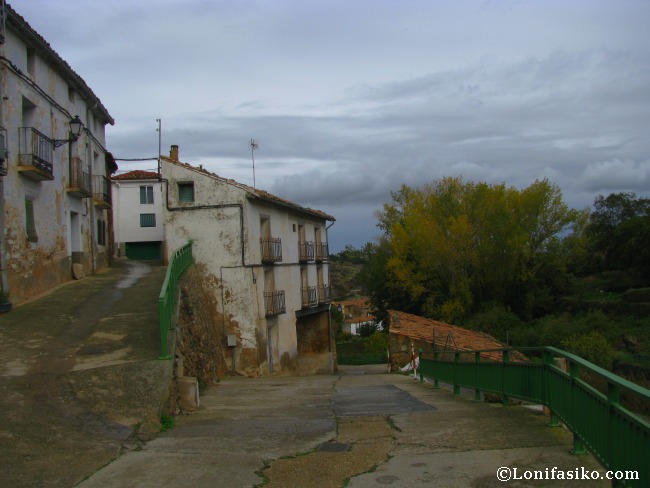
159,130
254,146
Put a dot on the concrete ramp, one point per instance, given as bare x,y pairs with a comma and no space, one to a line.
375,400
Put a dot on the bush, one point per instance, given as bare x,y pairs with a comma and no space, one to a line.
615,281
637,295
377,343
593,347
496,320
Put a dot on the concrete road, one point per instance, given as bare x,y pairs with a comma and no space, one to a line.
359,428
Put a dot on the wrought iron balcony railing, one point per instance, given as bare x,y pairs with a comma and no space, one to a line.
271,249
308,294
79,181
322,252
324,294
274,303
306,251
35,154
102,192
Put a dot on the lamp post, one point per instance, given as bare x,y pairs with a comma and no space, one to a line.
75,126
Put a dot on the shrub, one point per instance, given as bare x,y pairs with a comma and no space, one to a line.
593,347
637,295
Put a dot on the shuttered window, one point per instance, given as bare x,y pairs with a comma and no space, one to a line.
147,220
146,195
186,192
30,222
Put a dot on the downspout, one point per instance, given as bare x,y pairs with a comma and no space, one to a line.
241,237
88,156
329,312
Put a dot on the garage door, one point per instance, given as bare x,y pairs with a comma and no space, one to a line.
143,251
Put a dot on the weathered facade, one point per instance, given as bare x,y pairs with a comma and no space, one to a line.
268,262
54,190
138,215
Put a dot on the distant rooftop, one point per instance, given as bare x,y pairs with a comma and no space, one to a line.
136,175
451,337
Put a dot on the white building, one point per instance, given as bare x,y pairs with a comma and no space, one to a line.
267,262
138,215
54,191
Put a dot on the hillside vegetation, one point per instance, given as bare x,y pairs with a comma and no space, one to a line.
518,264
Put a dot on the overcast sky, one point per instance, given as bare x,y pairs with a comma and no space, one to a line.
348,100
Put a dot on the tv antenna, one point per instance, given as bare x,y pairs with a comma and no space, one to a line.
159,130
253,146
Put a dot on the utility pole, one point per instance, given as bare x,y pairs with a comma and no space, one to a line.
254,146
159,130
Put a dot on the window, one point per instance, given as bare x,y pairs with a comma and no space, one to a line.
146,195
147,220
101,232
30,223
186,192
31,61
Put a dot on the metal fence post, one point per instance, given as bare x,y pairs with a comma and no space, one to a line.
436,383
578,444
506,360
548,357
477,391
456,362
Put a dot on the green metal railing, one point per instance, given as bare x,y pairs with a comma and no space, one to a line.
178,263
601,418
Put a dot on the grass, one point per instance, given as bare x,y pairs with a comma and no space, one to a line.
167,422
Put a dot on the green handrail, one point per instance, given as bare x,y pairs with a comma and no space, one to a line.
615,434
178,263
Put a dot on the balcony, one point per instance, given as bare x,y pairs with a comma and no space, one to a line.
35,154
305,251
79,181
102,192
324,294
322,252
308,294
271,249
274,303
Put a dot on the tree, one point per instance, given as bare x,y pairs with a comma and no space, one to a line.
618,232
450,246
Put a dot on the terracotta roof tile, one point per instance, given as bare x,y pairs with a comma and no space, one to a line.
445,335
136,175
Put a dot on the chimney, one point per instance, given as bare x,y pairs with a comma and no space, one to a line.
173,153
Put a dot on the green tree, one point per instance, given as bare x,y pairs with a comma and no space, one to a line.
450,246
618,231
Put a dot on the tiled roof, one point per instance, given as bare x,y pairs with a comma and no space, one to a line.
253,192
446,336
136,175
20,24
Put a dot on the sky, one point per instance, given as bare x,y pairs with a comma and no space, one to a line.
349,100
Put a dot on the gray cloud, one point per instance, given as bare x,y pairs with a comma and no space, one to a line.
350,100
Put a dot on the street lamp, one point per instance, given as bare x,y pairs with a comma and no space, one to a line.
75,127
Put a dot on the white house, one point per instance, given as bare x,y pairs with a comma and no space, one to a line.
267,259
54,166
138,215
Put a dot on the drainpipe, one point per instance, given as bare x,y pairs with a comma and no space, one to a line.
93,247
329,314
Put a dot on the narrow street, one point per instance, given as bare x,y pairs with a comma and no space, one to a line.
79,378
360,425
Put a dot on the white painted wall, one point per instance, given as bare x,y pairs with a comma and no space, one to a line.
232,255
127,209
